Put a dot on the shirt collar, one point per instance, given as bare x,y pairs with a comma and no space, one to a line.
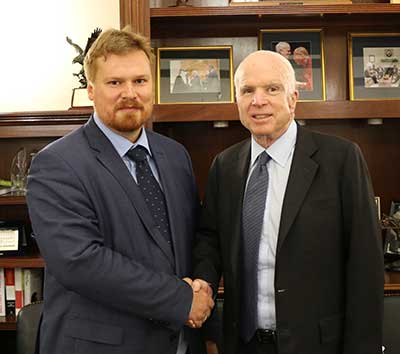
280,150
120,143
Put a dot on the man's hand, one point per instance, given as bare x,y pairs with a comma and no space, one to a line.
202,303
212,347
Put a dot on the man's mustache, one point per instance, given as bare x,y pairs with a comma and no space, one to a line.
128,104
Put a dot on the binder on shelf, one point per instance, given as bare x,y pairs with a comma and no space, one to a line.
2,294
19,292
10,291
33,285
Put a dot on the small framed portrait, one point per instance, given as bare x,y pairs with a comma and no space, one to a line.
195,74
378,207
374,66
304,49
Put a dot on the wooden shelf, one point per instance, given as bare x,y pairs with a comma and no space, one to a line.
256,10
35,261
45,125
42,123
8,323
304,110
12,200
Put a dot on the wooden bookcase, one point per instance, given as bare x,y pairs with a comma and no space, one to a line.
192,124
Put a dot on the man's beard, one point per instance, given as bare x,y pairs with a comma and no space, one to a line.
129,121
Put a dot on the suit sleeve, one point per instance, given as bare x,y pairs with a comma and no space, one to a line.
364,269
66,227
207,253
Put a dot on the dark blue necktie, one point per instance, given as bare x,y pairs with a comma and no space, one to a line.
151,190
252,221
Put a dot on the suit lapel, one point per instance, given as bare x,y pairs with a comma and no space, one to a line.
109,158
169,186
301,175
238,174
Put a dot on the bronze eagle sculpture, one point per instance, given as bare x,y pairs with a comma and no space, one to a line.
81,55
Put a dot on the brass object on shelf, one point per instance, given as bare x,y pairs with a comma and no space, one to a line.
181,3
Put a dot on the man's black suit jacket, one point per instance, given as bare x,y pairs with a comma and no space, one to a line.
329,267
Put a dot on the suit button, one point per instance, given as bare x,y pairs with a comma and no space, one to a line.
173,337
234,324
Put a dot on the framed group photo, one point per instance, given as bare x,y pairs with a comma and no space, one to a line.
195,74
304,49
374,66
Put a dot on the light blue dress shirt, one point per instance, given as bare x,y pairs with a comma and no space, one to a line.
281,153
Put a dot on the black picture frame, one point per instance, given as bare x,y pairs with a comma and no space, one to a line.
12,238
195,75
374,66
306,56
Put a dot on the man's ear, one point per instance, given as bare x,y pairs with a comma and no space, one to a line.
90,90
293,97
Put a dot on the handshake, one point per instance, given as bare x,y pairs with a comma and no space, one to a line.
202,303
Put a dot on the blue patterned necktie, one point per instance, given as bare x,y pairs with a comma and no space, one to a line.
151,190
252,221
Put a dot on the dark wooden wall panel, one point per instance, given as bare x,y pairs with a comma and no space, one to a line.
380,145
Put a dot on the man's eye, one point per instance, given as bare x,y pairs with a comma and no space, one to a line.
113,82
246,90
273,90
141,81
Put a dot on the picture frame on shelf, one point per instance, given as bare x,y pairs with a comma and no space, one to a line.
395,209
202,74
392,240
12,238
374,66
305,50
288,2
378,207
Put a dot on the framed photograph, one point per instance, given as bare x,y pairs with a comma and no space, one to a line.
289,2
195,74
12,238
395,209
304,49
374,61
378,207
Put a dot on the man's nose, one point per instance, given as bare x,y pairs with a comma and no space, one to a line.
259,98
129,91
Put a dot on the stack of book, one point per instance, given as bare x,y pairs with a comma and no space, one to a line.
19,287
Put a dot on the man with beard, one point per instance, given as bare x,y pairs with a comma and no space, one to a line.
113,208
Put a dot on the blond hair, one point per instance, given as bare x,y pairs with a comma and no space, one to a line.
117,42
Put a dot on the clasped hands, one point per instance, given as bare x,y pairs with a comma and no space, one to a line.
202,303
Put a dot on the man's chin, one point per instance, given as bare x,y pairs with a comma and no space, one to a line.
129,121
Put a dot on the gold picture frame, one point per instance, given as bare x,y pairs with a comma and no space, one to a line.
374,66
378,207
287,2
202,74
305,51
